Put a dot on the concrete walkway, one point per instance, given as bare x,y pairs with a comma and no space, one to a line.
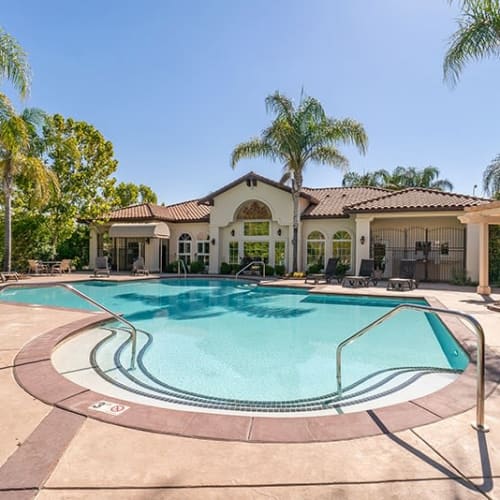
49,453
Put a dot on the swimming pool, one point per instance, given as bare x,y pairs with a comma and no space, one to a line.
230,345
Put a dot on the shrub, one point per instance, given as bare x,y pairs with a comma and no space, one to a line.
197,267
269,270
225,268
314,268
341,269
279,270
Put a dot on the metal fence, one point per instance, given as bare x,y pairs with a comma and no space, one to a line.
439,251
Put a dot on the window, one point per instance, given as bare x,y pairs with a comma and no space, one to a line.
256,250
256,228
279,253
203,251
234,253
316,249
342,247
184,248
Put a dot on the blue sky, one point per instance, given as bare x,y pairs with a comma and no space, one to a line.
175,85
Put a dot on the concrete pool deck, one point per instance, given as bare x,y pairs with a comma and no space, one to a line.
53,454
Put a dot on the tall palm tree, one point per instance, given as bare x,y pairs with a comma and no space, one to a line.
19,157
406,177
478,36
491,178
13,67
368,179
297,136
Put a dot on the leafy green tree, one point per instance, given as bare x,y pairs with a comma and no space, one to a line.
20,163
83,161
478,36
297,136
491,178
128,193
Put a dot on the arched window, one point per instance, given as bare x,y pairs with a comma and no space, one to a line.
316,249
342,247
184,248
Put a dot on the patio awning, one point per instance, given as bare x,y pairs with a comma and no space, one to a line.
140,230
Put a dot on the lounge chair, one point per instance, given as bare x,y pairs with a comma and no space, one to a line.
37,267
328,275
406,279
62,267
9,276
365,277
138,267
101,266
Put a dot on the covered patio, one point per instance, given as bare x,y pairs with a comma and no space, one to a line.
483,216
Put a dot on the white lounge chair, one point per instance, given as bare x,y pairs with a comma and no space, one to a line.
101,266
138,267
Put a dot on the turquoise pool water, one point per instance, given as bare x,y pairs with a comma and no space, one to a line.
233,340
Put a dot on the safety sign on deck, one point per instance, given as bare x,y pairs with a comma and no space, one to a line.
109,408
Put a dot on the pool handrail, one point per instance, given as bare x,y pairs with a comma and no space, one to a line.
477,328
184,268
72,289
253,263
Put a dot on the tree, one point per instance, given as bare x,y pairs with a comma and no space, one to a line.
83,161
14,64
370,179
128,193
400,178
478,36
20,162
491,178
297,136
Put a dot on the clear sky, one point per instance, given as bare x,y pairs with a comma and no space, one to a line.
175,85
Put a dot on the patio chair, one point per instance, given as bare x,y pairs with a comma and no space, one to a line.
62,267
365,277
9,276
328,275
37,267
138,267
406,279
101,266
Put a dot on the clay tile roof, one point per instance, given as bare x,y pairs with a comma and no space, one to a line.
331,202
412,199
187,211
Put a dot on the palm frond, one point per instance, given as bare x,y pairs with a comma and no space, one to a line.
280,104
6,108
478,36
328,155
14,64
491,177
251,149
347,131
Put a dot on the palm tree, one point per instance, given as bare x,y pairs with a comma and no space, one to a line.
299,135
491,178
368,179
19,158
13,67
478,36
406,177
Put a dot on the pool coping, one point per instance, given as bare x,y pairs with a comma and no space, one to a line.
34,372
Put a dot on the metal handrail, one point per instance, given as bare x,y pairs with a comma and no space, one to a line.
184,268
478,330
252,264
72,289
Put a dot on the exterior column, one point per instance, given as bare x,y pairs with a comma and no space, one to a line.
214,264
483,288
472,251
92,247
362,240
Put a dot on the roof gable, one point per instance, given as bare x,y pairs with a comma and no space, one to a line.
251,177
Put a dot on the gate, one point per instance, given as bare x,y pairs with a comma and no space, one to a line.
439,251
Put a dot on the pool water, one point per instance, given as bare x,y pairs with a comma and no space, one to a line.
228,339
